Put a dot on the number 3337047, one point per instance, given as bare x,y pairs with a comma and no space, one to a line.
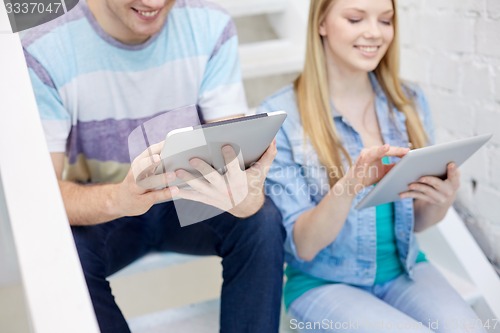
32,8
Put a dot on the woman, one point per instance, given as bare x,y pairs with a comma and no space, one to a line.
350,118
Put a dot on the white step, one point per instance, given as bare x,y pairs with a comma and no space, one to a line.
467,290
200,318
238,8
269,58
155,261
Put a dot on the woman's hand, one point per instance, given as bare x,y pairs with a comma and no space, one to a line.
369,169
433,197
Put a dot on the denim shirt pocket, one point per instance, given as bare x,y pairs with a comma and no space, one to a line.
311,169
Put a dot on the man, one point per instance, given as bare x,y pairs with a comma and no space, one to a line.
103,69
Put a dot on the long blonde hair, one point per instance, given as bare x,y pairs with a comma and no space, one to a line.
313,98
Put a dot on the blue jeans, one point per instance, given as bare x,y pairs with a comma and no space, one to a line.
252,252
425,304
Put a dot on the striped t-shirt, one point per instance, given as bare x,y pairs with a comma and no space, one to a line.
93,90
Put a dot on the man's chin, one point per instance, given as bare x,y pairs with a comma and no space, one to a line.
144,34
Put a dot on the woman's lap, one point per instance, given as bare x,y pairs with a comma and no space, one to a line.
425,304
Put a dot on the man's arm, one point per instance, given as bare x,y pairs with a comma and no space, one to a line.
94,204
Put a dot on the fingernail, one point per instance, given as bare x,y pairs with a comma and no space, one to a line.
227,149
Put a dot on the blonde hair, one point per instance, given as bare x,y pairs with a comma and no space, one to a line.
313,98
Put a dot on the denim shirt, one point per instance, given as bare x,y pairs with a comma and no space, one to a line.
297,182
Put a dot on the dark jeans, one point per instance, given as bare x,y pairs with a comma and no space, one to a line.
251,249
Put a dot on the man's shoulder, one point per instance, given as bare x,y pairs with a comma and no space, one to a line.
56,29
208,25
210,7
205,15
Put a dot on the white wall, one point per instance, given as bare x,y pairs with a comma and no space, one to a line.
452,49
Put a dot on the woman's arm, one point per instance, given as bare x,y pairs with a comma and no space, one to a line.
318,227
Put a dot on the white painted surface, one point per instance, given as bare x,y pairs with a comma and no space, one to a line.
450,245
255,7
473,260
269,58
4,24
51,274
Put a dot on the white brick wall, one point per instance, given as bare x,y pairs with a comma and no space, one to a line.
488,37
462,6
496,84
452,49
443,71
493,7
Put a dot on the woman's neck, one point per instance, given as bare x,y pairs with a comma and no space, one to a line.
346,84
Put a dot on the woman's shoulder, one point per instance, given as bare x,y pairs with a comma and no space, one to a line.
417,95
283,98
412,90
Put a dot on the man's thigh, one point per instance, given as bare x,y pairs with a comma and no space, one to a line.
224,232
108,247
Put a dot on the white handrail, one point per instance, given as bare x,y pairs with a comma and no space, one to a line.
55,289
473,260
451,246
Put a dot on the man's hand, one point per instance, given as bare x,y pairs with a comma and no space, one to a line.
132,196
241,193
99,203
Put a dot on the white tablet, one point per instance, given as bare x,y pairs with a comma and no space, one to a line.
427,161
249,136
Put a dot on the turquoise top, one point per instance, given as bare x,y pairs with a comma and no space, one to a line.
388,265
